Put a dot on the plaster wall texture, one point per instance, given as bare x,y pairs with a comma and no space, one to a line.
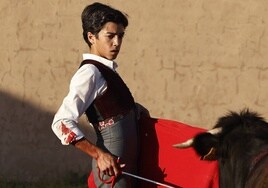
185,60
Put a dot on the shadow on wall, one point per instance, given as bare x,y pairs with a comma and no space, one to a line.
29,149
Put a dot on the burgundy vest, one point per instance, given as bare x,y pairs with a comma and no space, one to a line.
116,100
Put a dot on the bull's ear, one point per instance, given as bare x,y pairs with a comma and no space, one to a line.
211,155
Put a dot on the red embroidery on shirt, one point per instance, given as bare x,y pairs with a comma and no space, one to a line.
71,137
66,131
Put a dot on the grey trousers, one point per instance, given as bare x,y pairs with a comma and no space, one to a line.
121,140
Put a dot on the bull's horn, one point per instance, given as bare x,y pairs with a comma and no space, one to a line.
185,144
190,142
215,130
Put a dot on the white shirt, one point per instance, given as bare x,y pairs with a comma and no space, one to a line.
86,84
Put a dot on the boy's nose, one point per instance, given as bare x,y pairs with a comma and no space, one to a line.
116,41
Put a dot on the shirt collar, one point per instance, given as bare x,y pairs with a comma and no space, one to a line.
108,63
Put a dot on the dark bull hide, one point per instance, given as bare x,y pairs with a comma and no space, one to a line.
239,141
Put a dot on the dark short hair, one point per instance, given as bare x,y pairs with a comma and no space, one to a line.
96,15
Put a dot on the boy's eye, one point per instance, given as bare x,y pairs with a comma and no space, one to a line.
121,35
110,36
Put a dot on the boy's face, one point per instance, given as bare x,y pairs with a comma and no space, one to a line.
108,41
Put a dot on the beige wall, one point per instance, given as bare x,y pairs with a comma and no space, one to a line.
184,60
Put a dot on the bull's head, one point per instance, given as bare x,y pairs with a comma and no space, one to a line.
239,142
205,144
229,130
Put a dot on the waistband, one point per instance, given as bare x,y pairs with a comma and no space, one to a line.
110,121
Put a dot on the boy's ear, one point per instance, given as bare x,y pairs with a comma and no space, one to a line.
91,37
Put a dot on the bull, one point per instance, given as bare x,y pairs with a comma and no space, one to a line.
239,141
